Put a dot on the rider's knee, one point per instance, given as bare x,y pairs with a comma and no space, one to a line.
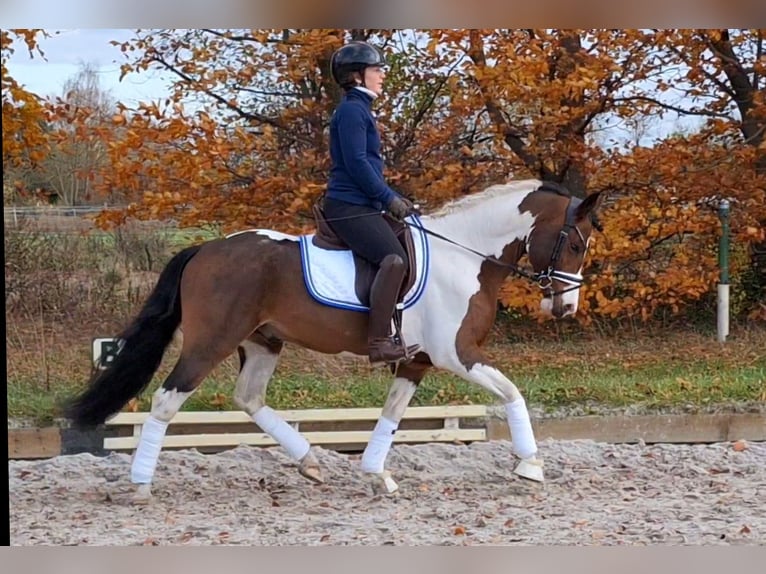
394,261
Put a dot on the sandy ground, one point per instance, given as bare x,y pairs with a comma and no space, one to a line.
594,494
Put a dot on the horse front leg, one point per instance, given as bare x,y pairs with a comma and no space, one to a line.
377,449
480,370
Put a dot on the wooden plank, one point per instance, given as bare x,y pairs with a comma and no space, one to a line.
34,443
649,428
688,428
319,437
452,423
747,426
313,415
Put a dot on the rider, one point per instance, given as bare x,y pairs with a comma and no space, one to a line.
357,193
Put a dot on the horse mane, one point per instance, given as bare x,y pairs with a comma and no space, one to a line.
500,189
523,185
555,187
559,189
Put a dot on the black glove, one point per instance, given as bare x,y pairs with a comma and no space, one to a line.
401,207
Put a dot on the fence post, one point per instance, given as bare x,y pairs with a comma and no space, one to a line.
723,264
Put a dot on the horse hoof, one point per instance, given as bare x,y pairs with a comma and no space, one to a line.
309,468
143,495
530,468
382,483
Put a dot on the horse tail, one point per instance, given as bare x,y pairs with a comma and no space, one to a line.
142,346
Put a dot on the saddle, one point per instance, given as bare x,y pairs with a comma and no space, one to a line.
326,238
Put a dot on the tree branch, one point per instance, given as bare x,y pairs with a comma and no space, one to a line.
220,99
758,58
406,141
239,38
511,137
671,107
268,93
721,85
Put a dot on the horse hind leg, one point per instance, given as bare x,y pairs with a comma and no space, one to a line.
258,359
180,384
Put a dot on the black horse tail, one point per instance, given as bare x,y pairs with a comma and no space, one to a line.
142,346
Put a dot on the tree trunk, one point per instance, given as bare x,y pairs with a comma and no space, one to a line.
753,128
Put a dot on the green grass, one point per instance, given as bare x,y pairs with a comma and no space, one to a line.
696,383
556,376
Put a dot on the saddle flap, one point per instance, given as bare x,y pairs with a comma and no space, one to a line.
405,238
325,237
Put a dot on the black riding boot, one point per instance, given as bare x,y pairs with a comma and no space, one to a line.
383,296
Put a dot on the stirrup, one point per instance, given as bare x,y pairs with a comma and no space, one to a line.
409,350
393,353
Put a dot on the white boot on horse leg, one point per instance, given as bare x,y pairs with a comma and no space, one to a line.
522,435
165,404
291,440
524,447
145,459
374,456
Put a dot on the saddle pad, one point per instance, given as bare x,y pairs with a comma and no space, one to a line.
329,273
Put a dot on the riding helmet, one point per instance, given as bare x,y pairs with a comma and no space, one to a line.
354,57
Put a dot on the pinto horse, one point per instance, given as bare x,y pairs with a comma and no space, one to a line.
248,292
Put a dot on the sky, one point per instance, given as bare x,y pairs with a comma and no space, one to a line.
66,51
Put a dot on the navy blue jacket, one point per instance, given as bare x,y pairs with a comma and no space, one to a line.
356,175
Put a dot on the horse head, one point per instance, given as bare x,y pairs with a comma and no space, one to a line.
558,242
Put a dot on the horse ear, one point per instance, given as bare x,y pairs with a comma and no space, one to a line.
589,205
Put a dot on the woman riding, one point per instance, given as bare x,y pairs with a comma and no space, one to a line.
357,193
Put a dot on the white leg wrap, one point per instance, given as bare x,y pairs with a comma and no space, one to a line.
521,428
148,451
375,453
290,439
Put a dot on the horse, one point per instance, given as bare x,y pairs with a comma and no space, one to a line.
248,292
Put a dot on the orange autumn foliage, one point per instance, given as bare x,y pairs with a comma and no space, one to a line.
24,114
240,139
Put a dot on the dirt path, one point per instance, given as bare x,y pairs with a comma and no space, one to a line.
450,494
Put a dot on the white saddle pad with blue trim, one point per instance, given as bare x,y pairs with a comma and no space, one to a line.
329,273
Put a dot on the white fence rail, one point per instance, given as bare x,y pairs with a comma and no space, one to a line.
449,428
13,214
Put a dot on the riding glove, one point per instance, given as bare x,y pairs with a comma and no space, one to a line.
401,207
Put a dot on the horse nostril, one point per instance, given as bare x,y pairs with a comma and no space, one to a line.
569,308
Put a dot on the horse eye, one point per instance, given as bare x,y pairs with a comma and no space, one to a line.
575,247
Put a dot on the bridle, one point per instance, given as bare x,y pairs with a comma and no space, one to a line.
545,279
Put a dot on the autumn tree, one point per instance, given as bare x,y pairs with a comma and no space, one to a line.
241,137
715,76
24,114
77,148
547,91
728,71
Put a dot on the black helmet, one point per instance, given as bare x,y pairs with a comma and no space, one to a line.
354,57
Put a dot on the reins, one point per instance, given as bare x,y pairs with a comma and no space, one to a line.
544,279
